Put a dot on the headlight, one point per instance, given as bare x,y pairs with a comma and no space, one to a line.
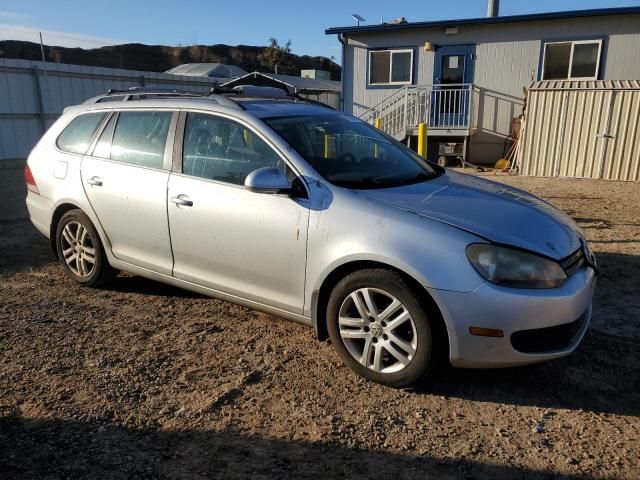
514,268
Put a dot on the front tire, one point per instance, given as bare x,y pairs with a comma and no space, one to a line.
80,250
379,327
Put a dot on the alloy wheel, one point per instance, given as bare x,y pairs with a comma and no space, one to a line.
78,250
377,330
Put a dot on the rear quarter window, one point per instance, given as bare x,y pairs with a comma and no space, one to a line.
76,137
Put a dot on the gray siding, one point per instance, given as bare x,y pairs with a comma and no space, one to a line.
507,60
22,82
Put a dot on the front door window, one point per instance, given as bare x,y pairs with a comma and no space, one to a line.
452,69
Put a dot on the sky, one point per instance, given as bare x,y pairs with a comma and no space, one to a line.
90,24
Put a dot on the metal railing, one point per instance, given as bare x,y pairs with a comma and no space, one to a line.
440,107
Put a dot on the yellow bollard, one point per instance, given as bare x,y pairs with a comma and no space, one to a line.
248,138
378,125
327,146
422,140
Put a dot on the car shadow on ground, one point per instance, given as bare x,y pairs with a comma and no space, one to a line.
601,376
71,449
126,283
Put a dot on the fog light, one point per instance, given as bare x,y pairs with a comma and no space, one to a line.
486,332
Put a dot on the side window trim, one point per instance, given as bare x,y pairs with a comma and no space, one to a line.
179,145
169,143
176,165
96,138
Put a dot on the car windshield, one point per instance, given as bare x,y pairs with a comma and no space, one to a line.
351,153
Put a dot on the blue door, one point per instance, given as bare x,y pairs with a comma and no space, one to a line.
452,74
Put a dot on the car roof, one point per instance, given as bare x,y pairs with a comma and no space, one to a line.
257,107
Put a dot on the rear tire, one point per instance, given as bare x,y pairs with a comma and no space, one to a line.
379,328
81,252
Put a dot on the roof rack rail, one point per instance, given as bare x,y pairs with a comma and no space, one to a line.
138,93
152,90
267,92
223,90
222,95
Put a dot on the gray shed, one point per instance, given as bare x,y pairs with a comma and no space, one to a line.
212,70
585,129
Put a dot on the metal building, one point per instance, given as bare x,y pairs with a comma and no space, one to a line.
466,77
220,71
587,129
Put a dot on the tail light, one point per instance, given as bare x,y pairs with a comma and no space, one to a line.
30,181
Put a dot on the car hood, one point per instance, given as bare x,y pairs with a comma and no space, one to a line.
494,211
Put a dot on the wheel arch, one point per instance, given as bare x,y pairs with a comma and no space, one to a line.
65,206
58,213
320,298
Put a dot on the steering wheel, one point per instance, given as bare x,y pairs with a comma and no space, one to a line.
335,164
346,157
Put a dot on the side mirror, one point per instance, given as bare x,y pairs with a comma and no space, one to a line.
268,180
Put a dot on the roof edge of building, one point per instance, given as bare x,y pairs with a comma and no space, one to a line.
532,17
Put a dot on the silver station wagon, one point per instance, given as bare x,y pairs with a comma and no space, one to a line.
301,211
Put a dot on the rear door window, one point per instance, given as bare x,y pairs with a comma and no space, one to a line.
140,138
76,137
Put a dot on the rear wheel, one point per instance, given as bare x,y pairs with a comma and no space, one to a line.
80,250
379,327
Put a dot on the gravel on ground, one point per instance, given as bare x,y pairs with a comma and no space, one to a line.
143,380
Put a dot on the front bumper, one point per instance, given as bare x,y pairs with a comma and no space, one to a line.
515,310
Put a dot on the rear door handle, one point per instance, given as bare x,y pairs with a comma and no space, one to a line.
96,181
182,201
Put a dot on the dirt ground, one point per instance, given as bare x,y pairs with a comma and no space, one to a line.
142,380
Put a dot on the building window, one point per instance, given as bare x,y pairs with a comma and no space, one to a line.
390,67
571,60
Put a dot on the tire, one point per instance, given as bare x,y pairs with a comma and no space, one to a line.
351,334
443,161
80,250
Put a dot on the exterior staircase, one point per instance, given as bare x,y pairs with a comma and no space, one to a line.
447,110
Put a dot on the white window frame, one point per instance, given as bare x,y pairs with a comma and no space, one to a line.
573,44
391,51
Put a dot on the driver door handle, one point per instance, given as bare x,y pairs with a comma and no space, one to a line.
182,202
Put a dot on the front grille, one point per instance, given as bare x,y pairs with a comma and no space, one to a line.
573,262
542,340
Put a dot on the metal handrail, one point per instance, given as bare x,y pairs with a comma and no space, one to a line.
440,106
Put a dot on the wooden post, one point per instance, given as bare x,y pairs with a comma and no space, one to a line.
422,140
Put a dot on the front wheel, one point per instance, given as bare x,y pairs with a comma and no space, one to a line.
80,250
379,327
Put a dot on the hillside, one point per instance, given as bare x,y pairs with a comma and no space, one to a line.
160,58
